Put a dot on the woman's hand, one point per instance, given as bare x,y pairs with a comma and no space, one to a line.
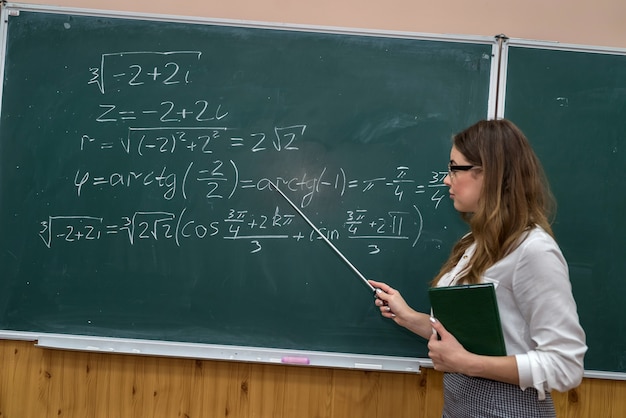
447,354
393,306
389,300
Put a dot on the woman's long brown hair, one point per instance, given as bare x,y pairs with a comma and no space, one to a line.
515,195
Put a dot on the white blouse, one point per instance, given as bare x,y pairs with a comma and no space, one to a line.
538,312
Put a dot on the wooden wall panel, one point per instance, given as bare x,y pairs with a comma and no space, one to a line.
44,383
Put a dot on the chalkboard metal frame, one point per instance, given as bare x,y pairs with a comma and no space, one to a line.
227,352
590,51
544,45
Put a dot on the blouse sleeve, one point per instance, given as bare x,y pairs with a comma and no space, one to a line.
543,293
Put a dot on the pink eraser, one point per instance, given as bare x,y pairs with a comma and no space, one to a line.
295,360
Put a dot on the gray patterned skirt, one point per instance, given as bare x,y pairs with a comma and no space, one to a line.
474,397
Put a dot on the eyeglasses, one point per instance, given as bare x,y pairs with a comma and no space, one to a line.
452,169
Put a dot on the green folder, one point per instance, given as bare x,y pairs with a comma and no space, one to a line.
470,313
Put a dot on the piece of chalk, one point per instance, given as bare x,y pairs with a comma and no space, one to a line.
295,360
368,366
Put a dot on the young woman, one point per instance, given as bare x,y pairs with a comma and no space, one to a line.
497,184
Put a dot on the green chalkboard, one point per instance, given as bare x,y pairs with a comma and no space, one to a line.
572,105
135,160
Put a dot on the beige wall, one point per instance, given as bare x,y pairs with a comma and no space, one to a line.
598,22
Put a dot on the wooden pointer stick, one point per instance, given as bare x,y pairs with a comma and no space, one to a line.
354,269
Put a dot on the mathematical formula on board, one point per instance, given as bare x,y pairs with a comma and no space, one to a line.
180,228
182,151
